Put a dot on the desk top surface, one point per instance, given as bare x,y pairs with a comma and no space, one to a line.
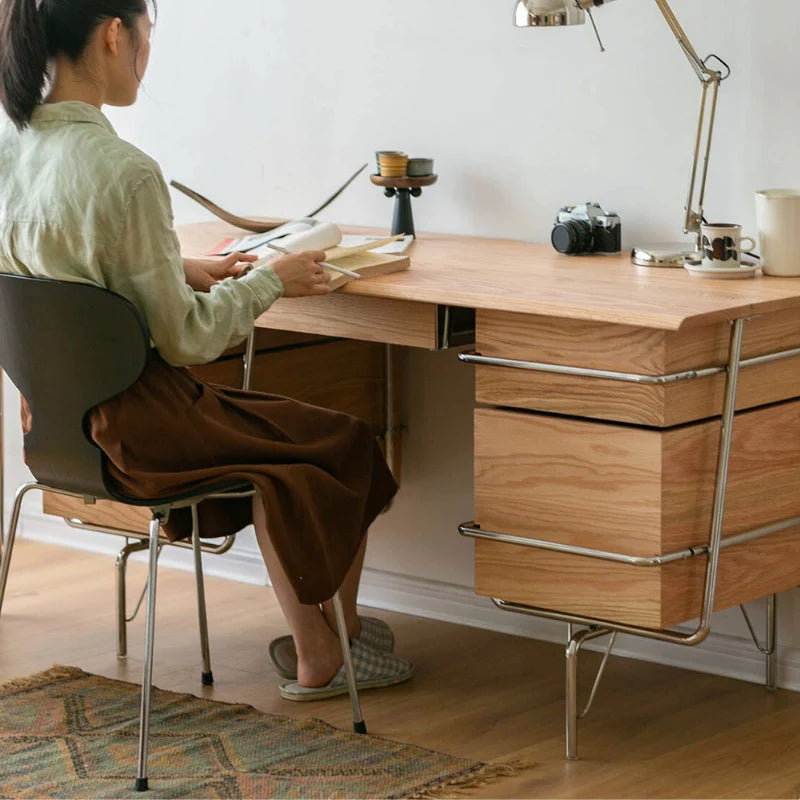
508,275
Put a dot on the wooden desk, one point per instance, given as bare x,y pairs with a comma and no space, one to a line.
620,466
569,452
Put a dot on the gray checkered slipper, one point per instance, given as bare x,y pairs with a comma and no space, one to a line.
375,633
373,669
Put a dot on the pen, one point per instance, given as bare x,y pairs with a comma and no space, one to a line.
321,263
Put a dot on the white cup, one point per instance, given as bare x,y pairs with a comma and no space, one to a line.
722,245
778,223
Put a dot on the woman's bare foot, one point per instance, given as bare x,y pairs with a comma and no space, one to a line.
351,618
319,656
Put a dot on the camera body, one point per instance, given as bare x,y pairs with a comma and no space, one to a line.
587,229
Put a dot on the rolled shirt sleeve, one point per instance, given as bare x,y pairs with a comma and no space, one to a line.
144,264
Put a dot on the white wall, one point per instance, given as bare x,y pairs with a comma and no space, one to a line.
266,106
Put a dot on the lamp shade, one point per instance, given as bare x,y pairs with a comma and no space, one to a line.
553,13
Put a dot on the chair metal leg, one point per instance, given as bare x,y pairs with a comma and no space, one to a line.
207,676
12,532
359,726
122,605
147,678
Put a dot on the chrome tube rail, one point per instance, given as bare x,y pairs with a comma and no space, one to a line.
216,549
627,377
468,530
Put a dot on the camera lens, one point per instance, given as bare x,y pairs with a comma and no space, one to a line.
572,237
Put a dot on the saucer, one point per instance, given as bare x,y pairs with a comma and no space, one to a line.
746,270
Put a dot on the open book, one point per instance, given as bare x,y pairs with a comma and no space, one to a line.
309,234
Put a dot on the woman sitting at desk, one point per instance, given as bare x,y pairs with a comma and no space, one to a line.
79,204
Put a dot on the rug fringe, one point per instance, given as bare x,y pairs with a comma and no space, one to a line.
459,787
55,673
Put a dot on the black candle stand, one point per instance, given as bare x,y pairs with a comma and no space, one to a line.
403,189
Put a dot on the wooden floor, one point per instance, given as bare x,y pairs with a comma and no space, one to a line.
654,732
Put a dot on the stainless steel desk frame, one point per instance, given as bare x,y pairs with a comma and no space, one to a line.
595,628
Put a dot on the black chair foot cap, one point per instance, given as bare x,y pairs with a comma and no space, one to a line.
360,727
208,679
141,785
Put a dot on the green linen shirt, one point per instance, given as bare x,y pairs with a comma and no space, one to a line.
78,203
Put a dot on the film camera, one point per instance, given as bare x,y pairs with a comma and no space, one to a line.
587,229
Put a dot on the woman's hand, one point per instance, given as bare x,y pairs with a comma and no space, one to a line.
203,273
301,274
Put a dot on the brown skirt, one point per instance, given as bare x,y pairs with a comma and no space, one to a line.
321,473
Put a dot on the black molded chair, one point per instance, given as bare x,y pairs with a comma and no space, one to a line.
68,347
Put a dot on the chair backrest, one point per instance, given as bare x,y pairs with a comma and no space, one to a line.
67,347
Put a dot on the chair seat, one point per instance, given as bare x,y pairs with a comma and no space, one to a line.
197,493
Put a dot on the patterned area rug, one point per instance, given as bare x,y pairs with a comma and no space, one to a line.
68,734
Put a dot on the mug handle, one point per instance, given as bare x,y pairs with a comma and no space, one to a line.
752,244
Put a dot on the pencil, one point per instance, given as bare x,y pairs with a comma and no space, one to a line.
321,263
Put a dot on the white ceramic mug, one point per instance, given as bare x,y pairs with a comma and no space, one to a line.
721,243
778,223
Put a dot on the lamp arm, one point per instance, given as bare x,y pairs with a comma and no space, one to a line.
697,63
694,218
705,126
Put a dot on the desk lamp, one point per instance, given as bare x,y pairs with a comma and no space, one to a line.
558,13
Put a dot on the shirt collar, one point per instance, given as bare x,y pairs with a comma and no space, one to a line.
71,111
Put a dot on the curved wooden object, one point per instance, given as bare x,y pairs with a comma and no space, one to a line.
258,225
254,225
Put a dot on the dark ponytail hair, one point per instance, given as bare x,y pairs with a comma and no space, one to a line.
34,31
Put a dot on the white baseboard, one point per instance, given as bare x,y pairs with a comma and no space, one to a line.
721,654
237,564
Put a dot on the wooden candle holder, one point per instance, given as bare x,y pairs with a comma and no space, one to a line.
403,189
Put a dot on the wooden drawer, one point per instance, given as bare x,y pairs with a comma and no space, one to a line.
634,491
267,339
341,375
371,319
623,348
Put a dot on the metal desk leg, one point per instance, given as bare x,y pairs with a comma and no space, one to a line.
573,648
770,648
389,407
772,642
248,359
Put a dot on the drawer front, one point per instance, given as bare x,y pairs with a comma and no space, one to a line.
633,491
267,339
622,348
653,597
571,481
341,375
349,316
